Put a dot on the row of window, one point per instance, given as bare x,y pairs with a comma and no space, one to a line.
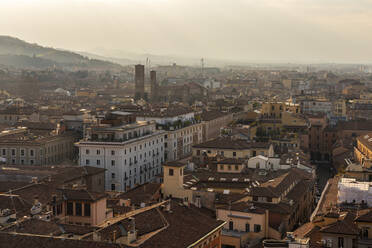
135,172
78,209
13,152
262,199
113,152
256,227
183,133
254,153
32,153
145,178
22,161
222,167
113,162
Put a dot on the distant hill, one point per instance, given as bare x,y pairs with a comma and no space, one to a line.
121,61
17,53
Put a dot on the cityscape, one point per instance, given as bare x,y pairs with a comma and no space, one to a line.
185,143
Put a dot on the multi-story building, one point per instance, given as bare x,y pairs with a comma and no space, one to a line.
212,122
179,141
275,109
20,146
316,106
230,148
81,207
245,224
13,115
363,150
132,153
182,130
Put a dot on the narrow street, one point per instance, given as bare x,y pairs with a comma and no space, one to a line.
324,171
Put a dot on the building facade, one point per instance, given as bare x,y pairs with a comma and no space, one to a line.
21,147
132,154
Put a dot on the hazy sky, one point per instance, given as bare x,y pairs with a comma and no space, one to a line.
285,30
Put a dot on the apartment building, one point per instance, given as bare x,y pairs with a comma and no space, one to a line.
363,150
212,122
21,146
12,115
182,130
131,153
232,148
275,109
245,224
81,207
316,106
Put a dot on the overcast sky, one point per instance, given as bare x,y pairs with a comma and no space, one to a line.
246,30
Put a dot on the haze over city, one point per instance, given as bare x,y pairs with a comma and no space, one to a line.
185,124
240,30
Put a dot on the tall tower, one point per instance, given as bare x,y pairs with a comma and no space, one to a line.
139,79
154,86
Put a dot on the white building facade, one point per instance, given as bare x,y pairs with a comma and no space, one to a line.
182,131
352,191
132,157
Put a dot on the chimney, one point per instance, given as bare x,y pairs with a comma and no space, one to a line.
34,180
36,199
168,206
132,233
114,238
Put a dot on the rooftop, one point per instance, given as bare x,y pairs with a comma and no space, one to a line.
228,143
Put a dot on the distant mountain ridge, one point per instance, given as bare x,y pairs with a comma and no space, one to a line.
18,53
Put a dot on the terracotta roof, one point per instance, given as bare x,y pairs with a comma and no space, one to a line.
15,203
84,195
355,125
175,164
231,161
212,115
341,227
145,222
35,226
276,186
228,198
245,207
330,196
364,216
16,240
306,230
228,143
186,226
144,193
